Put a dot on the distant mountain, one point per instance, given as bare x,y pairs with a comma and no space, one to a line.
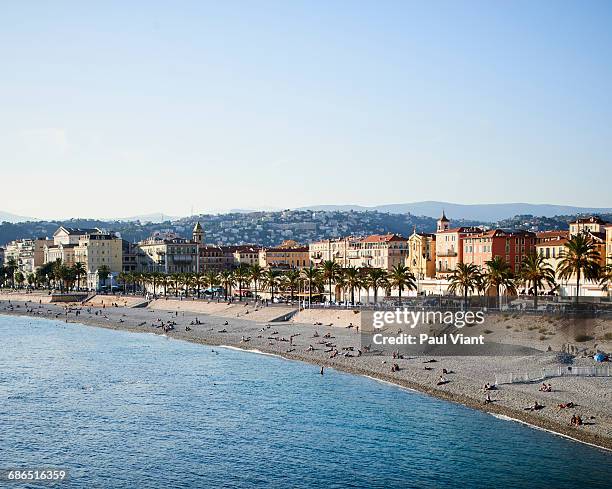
478,212
155,217
8,217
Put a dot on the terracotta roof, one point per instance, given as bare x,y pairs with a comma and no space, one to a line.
589,220
553,242
462,229
382,238
552,234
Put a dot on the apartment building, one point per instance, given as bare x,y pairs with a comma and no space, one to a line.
29,254
378,251
512,246
449,247
335,250
169,253
286,256
98,250
550,246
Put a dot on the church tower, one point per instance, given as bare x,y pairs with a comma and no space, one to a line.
198,233
442,223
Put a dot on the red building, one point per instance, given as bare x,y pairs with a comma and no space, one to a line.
512,246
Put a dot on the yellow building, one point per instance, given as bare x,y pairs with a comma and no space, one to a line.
65,240
378,251
550,246
97,250
421,259
330,250
286,256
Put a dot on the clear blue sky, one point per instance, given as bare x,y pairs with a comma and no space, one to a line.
121,108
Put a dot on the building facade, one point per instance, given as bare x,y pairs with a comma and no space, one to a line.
449,247
97,250
512,246
284,257
29,254
335,250
378,251
421,259
169,254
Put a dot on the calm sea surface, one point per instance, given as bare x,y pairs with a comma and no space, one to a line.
136,410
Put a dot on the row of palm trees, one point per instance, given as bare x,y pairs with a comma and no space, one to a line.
311,281
56,274
579,260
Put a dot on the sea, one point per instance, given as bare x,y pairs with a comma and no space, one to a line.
115,409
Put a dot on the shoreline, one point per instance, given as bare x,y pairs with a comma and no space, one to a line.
528,418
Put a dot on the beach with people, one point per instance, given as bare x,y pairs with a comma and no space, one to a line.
575,407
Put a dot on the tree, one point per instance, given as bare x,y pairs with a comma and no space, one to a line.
605,279
242,275
227,280
378,278
10,267
535,271
292,280
79,270
401,277
164,281
330,271
31,278
311,275
464,279
352,280
499,274
103,273
210,280
579,257
271,279
18,278
256,273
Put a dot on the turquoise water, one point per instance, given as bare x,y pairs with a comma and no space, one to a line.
136,410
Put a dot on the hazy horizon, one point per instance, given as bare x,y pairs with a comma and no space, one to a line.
116,110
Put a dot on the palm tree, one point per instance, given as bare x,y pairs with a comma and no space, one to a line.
401,277
605,279
311,274
499,274
10,267
352,280
330,271
537,272
242,275
464,279
18,277
103,273
271,279
176,280
210,279
256,273
227,280
378,278
79,271
164,281
292,280
123,278
579,257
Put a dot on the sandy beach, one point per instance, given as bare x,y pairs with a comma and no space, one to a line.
299,339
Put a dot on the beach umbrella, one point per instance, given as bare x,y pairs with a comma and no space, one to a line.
600,357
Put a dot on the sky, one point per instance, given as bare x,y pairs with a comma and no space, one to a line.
114,109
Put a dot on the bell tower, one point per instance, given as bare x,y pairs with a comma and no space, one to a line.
442,223
198,233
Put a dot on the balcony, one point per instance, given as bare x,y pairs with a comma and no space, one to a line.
447,253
